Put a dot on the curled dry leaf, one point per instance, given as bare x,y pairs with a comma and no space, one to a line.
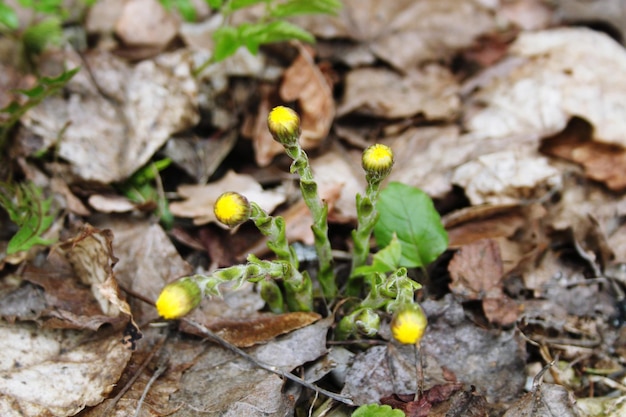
56,372
550,77
432,92
406,33
201,198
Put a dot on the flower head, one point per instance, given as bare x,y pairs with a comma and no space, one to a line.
178,298
284,125
409,324
377,160
232,209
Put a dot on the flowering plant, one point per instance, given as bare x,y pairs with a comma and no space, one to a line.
383,286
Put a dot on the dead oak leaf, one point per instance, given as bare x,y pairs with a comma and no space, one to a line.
199,199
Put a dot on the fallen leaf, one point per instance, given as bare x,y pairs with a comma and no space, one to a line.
146,23
406,33
549,77
201,198
305,83
476,272
608,12
255,329
507,178
549,400
56,372
602,162
432,92
144,105
147,260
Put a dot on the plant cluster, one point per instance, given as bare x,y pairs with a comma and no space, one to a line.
371,289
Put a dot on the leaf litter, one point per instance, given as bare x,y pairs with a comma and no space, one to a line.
514,127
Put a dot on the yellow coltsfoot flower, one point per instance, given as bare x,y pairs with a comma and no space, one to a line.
178,298
377,160
409,324
284,125
232,209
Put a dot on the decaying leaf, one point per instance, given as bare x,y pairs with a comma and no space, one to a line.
550,77
201,198
106,139
453,349
476,271
56,372
546,400
221,384
305,83
406,33
431,92
506,177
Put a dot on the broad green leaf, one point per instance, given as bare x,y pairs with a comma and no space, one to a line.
385,260
300,7
214,4
34,92
186,9
227,41
375,410
410,214
8,17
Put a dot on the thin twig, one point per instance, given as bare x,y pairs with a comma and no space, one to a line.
161,367
270,368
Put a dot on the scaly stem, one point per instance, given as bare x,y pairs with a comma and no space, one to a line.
319,212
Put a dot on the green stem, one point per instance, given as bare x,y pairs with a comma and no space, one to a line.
367,215
319,212
275,230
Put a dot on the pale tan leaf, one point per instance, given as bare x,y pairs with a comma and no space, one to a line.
201,198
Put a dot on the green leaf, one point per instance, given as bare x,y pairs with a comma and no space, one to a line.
254,35
8,17
214,4
240,4
227,41
186,9
409,212
300,7
375,410
36,37
30,211
385,260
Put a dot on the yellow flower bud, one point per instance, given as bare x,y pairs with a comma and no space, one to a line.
409,324
178,298
284,125
232,209
377,160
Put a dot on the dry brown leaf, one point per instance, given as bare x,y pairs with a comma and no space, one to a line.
406,33
255,128
255,329
432,92
107,139
547,400
507,177
201,198
602,162
305,83
56,372
476,272
550,77
147,261
482,222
